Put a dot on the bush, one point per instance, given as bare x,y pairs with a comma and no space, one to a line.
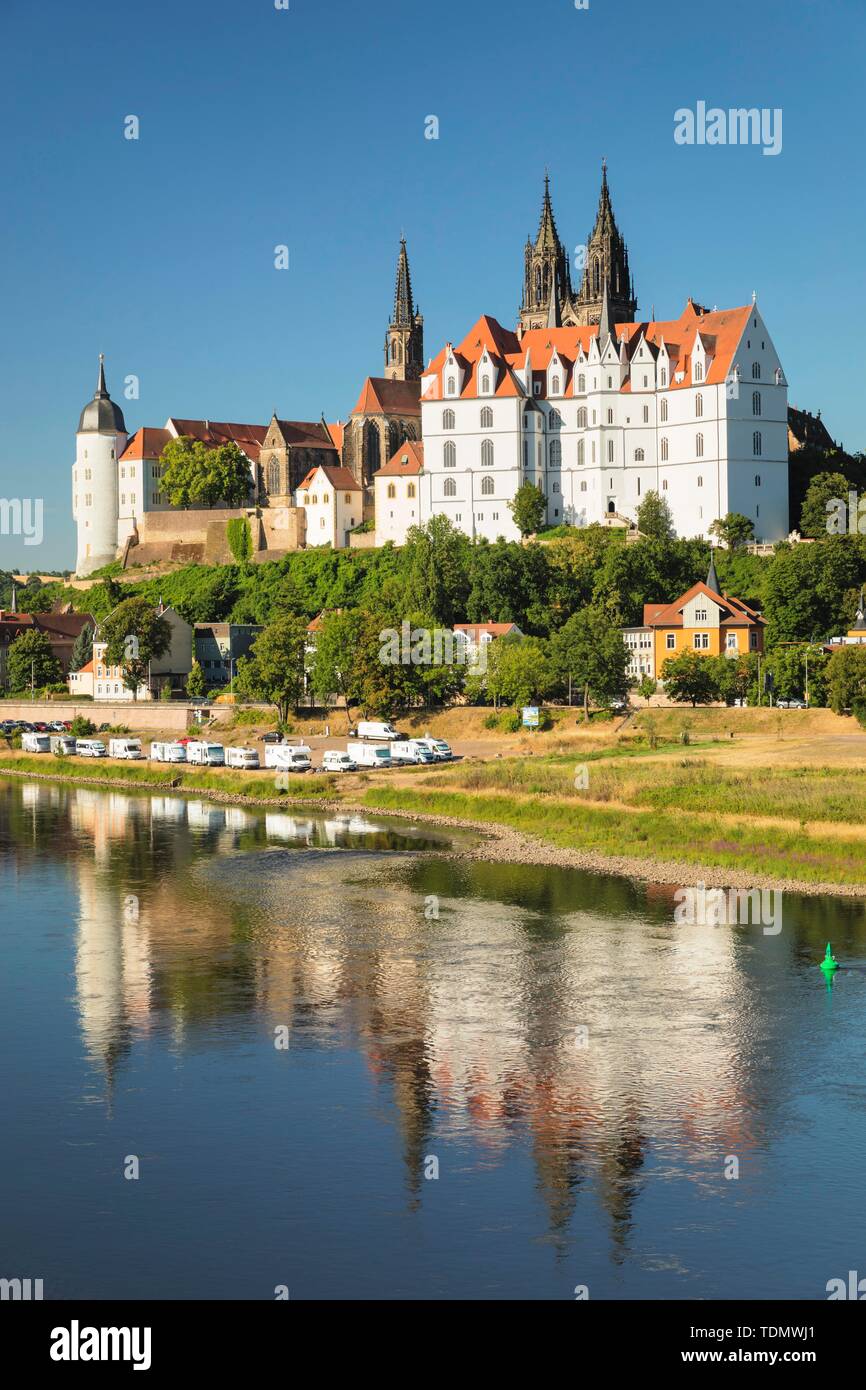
81,727
858,709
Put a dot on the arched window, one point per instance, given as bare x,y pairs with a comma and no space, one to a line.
449,454
554,420
699,404
555,453
596,276
663,377
756,371
487,487
778,376
274,475
700,480
610,383
581,383
447,419
487,418
452,385
485,385
392,491
449,488
699,446
757,480
663,410
638,456
664,449
699,371
581,451
554,386
581,418
487,453
410,490
555,487
372,450
757,443
756,402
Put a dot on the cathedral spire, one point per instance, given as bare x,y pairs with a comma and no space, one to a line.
606,265
404,309
404,341
546,273
605,323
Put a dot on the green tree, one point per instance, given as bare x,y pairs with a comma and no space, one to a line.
691,679
846,678
195,475
195,681
820,505
528,507
240,539
334,668
589,649
83,649
436,557
519,671
654,517
135,634
646,688
30,660
274,670
734,530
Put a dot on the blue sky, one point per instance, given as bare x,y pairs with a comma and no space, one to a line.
306,127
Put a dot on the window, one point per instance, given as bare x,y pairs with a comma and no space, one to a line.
757,480
778,376
671,641
663,377
700,480
581,384
554,386
610,417
581,452
583,487
699,446
702,641
449,454
581,418
645,381
447,419
452,385
699,404
731,641
347,496
487,487
487,453
273,474
449,488
700,615
664,448
753,641
410,491
526,453
555,453
487,418
610,451
554,420
646,414
756,402
638,487
756,371
392,491
638,455
665,485
663,411
699,371
326,497
555,487
757,444
485,385
610,383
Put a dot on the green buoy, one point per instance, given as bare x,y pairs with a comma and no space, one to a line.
829,963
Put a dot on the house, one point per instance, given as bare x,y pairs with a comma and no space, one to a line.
397,494
476,638
333,504
701,620
218,646
61,629
104,680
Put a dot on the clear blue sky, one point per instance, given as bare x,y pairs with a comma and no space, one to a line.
306,127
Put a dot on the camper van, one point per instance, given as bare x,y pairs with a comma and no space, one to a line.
288,757
210,754
438,747
168,752
124,748
411,750
63,744
376,728
336,761
371,754
242,757
90,748
35,743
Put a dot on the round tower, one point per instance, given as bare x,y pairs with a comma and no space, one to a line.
99,442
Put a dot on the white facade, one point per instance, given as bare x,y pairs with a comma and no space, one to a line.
694,409
99,442
333,505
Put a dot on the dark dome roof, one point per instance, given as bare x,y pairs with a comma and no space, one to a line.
101,414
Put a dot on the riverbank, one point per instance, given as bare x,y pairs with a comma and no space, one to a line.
673,846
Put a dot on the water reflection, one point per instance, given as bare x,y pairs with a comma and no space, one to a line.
542,1012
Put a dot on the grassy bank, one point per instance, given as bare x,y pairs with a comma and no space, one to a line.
175,777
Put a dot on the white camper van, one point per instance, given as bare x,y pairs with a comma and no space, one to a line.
124,748
168,752
372,754
438,747
411,750
288,757
242,757
376,728
209,754
337,761
90,748
63,744
35,743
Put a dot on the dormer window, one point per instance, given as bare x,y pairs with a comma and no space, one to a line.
554,386
452,386
485,385
699,371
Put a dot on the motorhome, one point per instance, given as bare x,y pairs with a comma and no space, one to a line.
337,761
438,747
242,757
411,750
63,744
90,748
35,743
372,754
288,757
124,748
209,754
376,728
168,752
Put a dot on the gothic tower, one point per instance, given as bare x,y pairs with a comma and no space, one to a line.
606,263
99,442
404,343
546,273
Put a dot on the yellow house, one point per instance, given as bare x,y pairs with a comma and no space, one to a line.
700,620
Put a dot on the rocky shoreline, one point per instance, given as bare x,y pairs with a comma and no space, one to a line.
498,843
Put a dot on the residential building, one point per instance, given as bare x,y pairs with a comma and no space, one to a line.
61,629
397,493
333,503
477,637
218,647
103,680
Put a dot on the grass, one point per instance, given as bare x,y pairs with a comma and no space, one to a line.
177,777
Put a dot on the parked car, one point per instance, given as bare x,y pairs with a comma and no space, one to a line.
375,728
337,761
791,704
271,737
90,748
57,726
40,726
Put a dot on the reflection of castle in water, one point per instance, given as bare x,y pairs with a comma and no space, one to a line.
473,1020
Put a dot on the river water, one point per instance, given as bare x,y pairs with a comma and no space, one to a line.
245,1051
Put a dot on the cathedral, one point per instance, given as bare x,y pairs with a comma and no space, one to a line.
549,300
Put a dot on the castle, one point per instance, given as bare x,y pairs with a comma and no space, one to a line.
591,404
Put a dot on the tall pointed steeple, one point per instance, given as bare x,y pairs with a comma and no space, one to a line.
545,270
606,327
712,577
404,341
606,264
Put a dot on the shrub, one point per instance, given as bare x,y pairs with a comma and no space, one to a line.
81,727
858,709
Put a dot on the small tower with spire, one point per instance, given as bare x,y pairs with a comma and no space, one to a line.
606,264
99,441
546,273
404,341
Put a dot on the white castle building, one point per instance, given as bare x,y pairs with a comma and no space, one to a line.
598,415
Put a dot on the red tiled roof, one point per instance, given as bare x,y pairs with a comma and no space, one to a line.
309,434
337,432
408,460
146,443
249,438
734,613
495,629
340,478
382,396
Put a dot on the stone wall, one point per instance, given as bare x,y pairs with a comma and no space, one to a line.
171,716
